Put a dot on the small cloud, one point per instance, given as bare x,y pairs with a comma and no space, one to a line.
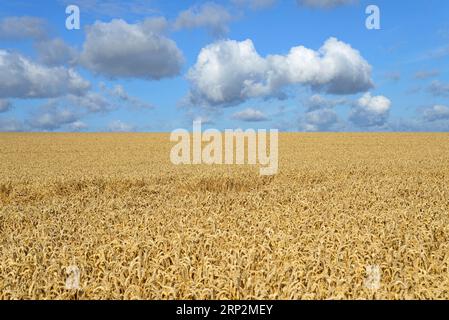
255,4
393,76
78,126
50,117
119,92
426,74
438,88
5,105
119,126
325,4
23,28
250,115
435,113
370,111
319,120
11,125
56,52
209,15
317,102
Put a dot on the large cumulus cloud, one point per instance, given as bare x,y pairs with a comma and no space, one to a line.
229,72
120,50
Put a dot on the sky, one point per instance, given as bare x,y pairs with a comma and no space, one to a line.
292,65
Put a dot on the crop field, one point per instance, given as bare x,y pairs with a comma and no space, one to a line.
135,226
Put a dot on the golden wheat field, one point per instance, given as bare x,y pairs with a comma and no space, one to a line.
138,227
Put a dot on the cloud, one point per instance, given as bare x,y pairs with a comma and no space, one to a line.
5,105
50,117
255,4
22,78
426,74
229,72
11,125
56,52
23,28
317,102
113,8
437,88
250,115
119,92
91,101
320,120
121,50
435,113
393,76
209,15
119,126
370,111
77,126
325,4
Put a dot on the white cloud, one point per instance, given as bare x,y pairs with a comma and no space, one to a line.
5,105
250,115
435,113
255,4
230,72
370,111
325,4
22,78
56,52
23,28
118,49
209,15
120,126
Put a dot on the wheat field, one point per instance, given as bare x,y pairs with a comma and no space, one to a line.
138,227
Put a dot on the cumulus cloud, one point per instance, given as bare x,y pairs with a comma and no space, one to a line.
229,72
250,115
435,113
209,15
118,49
120,126
370,111
325,4
5,105
23,28
22,78
255,4
56,52
439,88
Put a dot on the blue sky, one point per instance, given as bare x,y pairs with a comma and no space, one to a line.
294,65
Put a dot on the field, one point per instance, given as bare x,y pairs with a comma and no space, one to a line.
138,227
